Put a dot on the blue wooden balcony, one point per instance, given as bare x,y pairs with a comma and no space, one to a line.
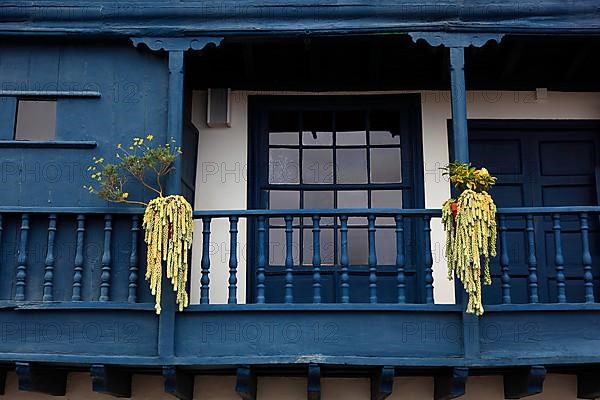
73,292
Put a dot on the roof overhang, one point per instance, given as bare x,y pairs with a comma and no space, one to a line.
112,18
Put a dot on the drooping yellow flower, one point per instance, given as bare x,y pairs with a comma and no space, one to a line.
168,226
470,237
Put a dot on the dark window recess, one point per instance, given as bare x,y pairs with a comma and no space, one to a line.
36,120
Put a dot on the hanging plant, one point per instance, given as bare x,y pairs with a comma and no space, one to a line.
168,222
470,225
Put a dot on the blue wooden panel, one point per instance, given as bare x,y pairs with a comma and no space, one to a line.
8,116
220,335
84,332
530,334
133,88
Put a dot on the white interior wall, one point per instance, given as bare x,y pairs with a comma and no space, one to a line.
222,164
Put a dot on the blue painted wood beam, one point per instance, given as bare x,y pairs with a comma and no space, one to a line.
588,384
524,381
111,380
314,382
41,379
253,17
245,385
459,104
450,384
178,383
382,383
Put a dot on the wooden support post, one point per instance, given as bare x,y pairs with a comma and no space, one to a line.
524,381
459,104
245,385
47,380
588,384
111,380
382,383
314,382
166,329
178,383
450,383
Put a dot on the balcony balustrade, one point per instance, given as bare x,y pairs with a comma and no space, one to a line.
73,290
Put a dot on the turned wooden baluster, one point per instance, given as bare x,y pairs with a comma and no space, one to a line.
78,264
344,260
559,260
428,260
588,278
532,280
133,260
289,259
21,278
205,262
233,261
372,259
504,261
106,260
49,264
400,259
316,259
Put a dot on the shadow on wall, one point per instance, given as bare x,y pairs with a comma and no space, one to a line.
148,387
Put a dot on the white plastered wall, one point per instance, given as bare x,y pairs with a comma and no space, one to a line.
221,181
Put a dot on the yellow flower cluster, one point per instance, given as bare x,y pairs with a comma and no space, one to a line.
470,236
168,226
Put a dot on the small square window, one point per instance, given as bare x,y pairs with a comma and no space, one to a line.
36,120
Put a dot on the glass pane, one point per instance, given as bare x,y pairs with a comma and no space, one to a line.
317,166
350,128
281,200
354,199
277,246
358,246
384,127
318,199
351,165
386,199
36,120
283,166
386,165
385,246
317,138
284,199
317,128
283,128
327,246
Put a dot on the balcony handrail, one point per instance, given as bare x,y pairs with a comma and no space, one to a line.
363,212
71,210
434,212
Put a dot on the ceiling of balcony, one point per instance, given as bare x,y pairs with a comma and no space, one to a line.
396,62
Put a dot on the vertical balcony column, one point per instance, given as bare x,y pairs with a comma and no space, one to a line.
461,154
175,48
459,104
